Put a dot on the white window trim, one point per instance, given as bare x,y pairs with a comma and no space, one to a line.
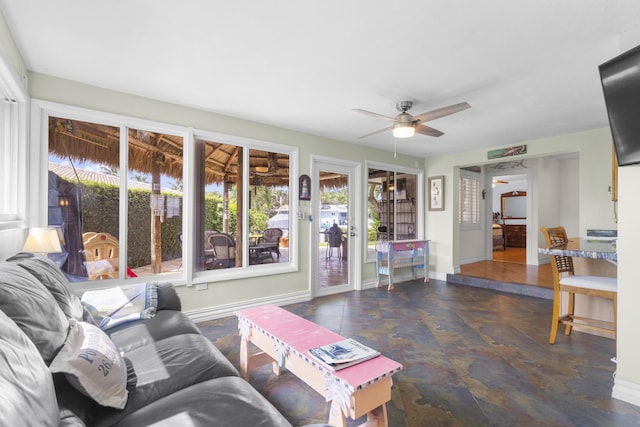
419,198
475,176
13,147
41,110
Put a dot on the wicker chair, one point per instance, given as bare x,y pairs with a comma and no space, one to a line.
564,280
224,248
272,235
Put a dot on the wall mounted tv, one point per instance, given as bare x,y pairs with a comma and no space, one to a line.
620,78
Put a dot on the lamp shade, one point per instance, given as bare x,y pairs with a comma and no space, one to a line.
403,130
42,241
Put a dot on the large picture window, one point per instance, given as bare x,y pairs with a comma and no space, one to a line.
117,225
240,231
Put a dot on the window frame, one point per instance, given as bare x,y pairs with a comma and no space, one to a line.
13,147
420,200
41,110
251,270
476,177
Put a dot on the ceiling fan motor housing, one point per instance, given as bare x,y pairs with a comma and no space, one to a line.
404,106
404,119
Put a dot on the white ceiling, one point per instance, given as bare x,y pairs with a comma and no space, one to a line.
529,69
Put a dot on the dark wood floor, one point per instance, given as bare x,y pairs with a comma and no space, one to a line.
471,357
510,266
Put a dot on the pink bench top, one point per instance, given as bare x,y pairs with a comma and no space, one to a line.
298,335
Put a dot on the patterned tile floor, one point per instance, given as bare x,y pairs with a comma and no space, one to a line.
471,356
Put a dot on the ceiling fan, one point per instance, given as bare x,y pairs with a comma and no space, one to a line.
405,125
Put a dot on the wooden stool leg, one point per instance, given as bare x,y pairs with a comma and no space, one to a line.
554,319
572,308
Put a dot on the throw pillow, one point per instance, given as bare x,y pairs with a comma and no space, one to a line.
92,364
28,303
48,273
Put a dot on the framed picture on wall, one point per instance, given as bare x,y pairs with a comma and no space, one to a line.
436,193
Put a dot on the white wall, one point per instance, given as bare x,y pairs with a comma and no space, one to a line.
627,379
559,186
593,200
570,189
223,296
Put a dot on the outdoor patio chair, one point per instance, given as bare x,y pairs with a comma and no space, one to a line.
272,235
224,249
101,252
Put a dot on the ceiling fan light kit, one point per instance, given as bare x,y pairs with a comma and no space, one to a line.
403,130
405,125
262,169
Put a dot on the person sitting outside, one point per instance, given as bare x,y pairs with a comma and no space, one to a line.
334,235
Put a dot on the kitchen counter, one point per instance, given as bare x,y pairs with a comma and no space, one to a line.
583,247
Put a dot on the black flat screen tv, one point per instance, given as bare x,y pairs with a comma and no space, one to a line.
620,79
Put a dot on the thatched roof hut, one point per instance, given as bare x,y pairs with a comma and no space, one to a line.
84,141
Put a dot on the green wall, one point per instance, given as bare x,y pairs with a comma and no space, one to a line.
236,291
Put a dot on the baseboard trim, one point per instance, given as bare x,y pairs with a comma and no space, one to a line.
219,311
626,391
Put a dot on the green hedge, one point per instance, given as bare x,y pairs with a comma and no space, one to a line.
101,214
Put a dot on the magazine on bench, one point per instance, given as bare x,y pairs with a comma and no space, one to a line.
343,354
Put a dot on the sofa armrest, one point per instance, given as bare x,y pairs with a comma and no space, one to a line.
168,298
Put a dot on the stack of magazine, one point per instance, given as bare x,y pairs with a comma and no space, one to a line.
343,354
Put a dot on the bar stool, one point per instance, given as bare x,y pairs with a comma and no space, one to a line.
565,280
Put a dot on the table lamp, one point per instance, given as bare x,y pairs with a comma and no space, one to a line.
42,241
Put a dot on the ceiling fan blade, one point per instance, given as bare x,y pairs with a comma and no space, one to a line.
370,113
426,130
441,112
378,131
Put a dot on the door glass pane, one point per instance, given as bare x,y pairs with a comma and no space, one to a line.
333,266
154,203
83,196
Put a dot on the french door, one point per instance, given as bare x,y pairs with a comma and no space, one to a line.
335,238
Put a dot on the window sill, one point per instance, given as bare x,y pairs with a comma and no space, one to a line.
12,225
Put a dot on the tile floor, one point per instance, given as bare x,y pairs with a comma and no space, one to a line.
471,356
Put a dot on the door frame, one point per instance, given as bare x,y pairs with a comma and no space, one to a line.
531,256
354,256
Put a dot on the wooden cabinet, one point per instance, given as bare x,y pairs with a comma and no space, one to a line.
516,235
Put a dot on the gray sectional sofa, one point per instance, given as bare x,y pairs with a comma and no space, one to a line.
174,375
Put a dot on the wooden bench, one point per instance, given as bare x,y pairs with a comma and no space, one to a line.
394,254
